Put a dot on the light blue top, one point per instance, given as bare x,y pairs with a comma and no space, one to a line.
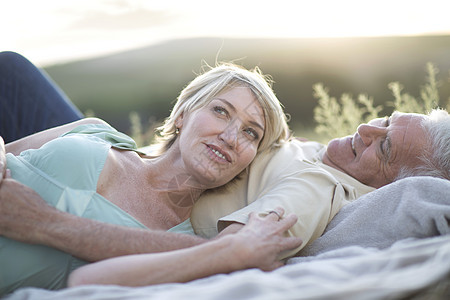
64,172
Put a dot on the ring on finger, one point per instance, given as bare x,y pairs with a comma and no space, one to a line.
274,212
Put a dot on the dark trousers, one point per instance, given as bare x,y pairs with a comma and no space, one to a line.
29,100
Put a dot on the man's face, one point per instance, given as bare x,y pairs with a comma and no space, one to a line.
377,151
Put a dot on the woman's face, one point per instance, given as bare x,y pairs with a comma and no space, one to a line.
219,140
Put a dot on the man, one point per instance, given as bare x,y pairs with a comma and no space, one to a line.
308,179
316,181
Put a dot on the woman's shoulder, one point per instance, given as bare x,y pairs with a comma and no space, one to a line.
105,133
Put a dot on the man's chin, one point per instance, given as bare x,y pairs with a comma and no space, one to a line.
327,161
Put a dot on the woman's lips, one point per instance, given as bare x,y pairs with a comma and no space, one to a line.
219,153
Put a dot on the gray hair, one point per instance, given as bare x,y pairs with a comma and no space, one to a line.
436,159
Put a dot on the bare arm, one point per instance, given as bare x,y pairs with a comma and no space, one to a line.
36,140
84,238
258,244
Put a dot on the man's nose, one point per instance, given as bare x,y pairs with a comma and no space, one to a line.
370,133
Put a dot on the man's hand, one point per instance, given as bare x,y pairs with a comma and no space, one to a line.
22,210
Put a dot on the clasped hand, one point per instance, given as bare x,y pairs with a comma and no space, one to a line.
260,242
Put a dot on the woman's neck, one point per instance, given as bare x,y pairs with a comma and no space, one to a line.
168,177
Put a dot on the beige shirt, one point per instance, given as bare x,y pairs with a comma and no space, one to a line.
292,177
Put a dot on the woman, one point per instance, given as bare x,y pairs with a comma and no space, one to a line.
221,120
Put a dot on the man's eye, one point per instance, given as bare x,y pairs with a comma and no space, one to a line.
382,146
385,147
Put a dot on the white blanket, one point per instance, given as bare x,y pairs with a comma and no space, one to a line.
392,243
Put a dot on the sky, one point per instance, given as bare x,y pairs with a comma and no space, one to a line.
55,31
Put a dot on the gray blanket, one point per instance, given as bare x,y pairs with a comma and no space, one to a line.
416,207
390,244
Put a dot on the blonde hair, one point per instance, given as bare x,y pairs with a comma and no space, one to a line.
199,92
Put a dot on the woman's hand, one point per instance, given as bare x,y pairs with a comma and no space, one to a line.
260,242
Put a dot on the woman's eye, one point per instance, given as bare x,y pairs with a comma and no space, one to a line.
220,110
252,133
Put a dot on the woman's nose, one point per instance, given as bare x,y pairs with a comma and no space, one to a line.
229,135
369,133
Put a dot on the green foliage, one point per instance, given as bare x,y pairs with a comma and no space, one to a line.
136,128
429,94
403,102
339,118
142,136
336,117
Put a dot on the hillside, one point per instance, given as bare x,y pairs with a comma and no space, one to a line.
148,80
